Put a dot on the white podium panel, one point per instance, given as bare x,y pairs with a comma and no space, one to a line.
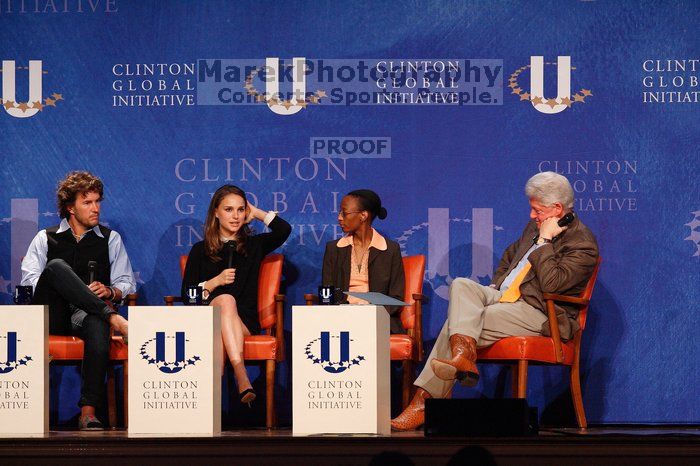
24,371
174,370
341,379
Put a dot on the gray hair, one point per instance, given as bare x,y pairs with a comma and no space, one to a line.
550,188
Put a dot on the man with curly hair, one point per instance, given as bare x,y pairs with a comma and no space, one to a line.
78,268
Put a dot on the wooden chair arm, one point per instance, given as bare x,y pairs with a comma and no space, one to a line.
310,299
554,331
279,325
420,297
130,299
566,299
170,300
418,325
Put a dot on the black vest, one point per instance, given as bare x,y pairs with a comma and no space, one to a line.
78,254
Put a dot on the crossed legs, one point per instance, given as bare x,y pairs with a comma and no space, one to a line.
233,330
474,313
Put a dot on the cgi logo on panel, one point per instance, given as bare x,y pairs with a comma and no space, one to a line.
35,103
11,362
536,97
168,367
319,352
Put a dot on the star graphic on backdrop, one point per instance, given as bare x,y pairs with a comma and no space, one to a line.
551,102
23,106
579,98
439,280
513,85
566,101
525,96
57,96
301,103
273,101
321,93
287,103
8,104
313,99
693,223
38,105
4,285
537,100
50,102
586,92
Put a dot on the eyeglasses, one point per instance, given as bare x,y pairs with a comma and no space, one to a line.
344,214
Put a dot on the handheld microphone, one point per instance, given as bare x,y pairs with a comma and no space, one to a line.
92,265
231,247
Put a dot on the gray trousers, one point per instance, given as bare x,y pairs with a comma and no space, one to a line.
474,311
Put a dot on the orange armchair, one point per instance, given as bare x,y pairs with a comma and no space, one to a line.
69,350
520,352
407,347
268,347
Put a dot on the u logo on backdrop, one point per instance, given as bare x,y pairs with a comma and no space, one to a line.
35,103
319,351
168,367
11,363
563,100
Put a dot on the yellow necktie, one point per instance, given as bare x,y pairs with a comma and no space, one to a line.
512,294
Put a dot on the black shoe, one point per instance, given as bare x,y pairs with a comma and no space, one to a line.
247,396
90,422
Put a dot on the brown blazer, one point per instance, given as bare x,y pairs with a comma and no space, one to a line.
385,271
563,267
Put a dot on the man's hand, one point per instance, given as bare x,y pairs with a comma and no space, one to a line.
100,290
550,228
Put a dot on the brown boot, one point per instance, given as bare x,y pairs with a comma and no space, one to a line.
462,366
414,415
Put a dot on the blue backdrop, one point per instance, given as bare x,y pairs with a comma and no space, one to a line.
130,91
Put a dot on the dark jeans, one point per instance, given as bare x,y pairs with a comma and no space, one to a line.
75,310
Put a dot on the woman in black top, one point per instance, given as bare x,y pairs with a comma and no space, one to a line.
226,265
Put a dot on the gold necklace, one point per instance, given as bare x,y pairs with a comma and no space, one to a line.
359,262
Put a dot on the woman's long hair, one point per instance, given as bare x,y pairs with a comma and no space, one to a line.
212,236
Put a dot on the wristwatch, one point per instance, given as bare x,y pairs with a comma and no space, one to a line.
543,240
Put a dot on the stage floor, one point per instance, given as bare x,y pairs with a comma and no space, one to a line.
594,446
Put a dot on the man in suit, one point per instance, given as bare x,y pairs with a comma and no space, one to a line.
547,258
78,268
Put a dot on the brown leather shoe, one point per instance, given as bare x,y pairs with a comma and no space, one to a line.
462,366
414,415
